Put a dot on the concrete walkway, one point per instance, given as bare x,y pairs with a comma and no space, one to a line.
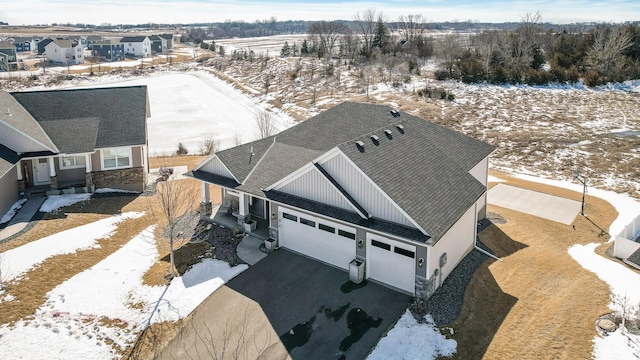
22,218
249,250
535,203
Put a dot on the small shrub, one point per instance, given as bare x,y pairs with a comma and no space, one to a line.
182,151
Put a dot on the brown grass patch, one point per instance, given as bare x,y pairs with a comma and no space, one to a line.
538,302
191,161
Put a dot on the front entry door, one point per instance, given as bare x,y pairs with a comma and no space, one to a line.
41,171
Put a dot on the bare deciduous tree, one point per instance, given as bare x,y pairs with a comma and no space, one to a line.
175,214
486,43
366,24
328,33
607,52
265,124
412,26
209,145
625,309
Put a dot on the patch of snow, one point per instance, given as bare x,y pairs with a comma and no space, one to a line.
54,202
12,212
109,190
411,340
492,178
17,261
623,282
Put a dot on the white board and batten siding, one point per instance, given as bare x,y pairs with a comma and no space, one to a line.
215,166
315,186
364,191
456,243
316,237
13,139
391,262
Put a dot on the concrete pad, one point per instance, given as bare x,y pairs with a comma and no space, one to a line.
249,250
535,203
22,218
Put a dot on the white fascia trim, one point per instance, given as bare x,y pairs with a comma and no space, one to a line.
340,193
221,162
303,170
55,150
384,194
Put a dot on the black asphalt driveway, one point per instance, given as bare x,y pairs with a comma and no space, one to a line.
314,308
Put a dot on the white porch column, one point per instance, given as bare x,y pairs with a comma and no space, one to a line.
205,192
243,207
205,203
52,166
19,170
87,160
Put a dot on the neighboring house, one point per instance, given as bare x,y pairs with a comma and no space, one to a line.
24,43
8,56
360,181
92,39
72,139
64,52
109,50
627,244
169,40
43,44
137,45
158,44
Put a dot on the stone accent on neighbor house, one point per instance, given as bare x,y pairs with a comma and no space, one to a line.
241,220
205,210
425,287
88,179
54,183
273,234
113,178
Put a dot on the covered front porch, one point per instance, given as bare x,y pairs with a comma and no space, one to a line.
55,175
237,210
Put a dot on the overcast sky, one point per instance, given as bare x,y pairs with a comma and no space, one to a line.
24,12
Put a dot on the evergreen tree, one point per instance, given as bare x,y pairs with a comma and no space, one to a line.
380,35
304,49
286,50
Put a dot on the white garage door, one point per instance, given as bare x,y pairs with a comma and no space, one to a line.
391,262
326,241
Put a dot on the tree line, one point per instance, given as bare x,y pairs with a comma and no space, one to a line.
529,53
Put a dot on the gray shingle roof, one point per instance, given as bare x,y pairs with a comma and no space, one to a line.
132,39
22,120
119,113
8,158
424,168
7,45
65,43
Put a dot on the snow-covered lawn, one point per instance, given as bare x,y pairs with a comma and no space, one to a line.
108,304
411,340
17,261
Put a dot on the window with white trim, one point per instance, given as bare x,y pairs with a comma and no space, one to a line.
72,162
116,158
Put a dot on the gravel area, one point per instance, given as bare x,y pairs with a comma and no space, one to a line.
445,304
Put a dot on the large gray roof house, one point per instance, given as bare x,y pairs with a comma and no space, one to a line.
397,193
72,139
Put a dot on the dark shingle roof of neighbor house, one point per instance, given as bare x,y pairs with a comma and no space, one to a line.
17,117
133,39
634,259
8,158
65,43
423,167
166,36
6,45
82,120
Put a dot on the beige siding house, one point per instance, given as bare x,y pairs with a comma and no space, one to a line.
72,140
